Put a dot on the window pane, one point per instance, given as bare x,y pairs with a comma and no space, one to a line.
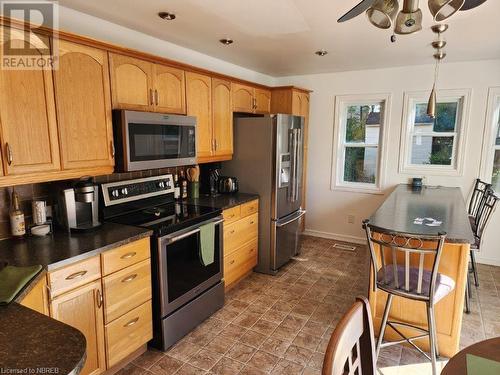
363,124
360,164
432,150
495,179
445,121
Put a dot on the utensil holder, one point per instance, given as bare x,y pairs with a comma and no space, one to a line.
194,190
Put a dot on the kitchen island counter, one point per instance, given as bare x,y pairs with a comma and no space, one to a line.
32,343
444,208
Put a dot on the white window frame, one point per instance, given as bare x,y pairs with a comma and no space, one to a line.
338,153
490,133
410,99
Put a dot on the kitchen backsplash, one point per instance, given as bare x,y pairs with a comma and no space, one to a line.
47,191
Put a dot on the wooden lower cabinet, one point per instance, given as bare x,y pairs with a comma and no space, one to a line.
82,308
113,311
37,298
240,241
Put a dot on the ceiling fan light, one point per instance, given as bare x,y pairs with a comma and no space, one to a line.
443,9
408,23
382,13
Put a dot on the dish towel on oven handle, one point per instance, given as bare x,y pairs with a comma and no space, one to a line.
207,240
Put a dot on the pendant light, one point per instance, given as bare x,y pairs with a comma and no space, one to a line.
382,13
443,9
439,55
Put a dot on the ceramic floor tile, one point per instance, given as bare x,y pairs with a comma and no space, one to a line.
205,359
166,366
226,366
252,338
241,352
148,358
187,369
298,355
275,346
263,361
285,367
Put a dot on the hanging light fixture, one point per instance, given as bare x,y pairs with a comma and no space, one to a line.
439,55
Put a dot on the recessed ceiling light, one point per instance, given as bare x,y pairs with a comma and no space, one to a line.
167,16
321,52
226,41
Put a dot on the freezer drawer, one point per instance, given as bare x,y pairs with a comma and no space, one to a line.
287,233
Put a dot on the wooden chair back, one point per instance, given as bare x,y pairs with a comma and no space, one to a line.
351,349
401,259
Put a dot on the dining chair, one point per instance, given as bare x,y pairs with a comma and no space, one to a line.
475,210
351,349
398,269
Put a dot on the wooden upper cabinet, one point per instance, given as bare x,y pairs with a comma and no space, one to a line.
82,309
262,101
83,107
222,117
199,105
131,83
169,86
28,119
243,98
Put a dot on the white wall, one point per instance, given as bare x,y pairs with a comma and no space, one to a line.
83,24
327,209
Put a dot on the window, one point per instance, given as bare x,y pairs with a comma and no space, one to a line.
433,145
491,152
360,123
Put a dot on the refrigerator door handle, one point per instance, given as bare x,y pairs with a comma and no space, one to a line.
298,159
297,216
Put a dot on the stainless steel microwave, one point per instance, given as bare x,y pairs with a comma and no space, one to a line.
146,140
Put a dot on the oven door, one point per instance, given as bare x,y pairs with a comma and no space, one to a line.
182,274
154,140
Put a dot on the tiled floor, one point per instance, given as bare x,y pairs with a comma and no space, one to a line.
281,324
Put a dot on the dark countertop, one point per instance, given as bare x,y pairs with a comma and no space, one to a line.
29,340
62,248
32,340
224,201
445,204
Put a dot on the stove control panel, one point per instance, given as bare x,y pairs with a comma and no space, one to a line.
131,190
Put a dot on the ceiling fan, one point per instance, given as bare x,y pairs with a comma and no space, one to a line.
385,14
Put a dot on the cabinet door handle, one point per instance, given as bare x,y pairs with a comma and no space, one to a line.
128,255
112,148
252,222
215,142
132,322
76,275
100,299
231,262
10,155
232,232
152,96
129,278
157,97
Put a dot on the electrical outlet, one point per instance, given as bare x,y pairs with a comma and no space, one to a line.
351,219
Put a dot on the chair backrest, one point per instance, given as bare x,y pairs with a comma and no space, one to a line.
484,214
477,197
399,263
351,349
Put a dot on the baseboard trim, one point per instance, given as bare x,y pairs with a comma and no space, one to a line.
488,261
336,236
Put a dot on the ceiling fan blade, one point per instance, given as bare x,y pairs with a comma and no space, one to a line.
469,4
357,10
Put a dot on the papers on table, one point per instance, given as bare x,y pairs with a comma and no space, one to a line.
429,221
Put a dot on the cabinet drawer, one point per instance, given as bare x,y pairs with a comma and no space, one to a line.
231,214
126,289
127,333
124,256
74,275
249,208
240,262
240,232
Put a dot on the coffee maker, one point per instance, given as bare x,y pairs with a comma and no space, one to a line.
79,207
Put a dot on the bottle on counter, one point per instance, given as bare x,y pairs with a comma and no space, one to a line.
17,224
177,188
184,186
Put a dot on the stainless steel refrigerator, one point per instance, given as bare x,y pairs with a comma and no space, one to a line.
268,160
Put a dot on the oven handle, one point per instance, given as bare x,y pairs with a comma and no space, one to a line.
172,239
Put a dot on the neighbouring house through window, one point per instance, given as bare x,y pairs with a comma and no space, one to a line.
359,126
433,144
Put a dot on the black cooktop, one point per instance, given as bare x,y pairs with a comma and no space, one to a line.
166,218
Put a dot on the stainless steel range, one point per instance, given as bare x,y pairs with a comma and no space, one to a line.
186,288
